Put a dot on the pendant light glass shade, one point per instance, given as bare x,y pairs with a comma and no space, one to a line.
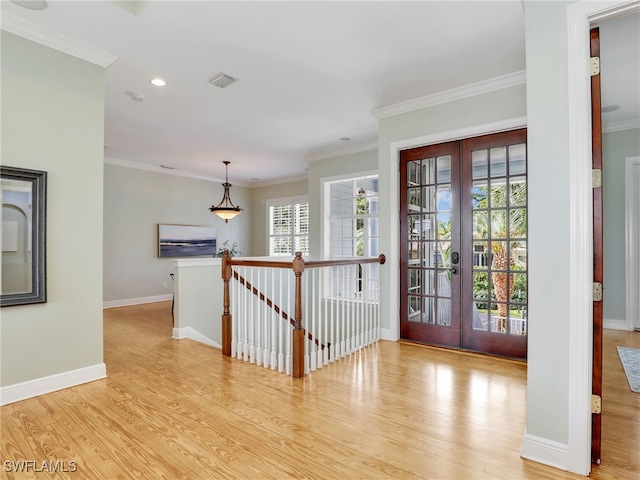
226,209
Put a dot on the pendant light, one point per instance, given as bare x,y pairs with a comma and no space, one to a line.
226,209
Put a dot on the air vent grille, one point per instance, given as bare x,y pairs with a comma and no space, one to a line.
222,80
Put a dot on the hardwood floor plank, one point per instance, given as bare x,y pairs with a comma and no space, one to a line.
174,409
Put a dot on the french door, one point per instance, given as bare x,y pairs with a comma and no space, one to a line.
463,236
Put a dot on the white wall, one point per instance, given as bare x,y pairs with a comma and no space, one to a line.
198,300
52,120
549,220
135,202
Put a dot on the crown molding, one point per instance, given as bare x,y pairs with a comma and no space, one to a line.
156,169
279,181
485,86
35,33
619,126
365,147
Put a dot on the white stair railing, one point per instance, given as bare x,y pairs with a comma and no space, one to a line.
279,318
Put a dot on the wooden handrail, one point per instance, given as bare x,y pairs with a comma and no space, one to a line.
381,259
298,266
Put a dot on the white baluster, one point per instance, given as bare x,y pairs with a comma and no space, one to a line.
288,325
233,294
314,327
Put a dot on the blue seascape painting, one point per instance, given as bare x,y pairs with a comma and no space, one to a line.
186,241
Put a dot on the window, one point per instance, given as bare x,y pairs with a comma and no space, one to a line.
288,226
354,217
354,232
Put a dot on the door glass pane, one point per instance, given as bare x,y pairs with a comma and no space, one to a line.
498,158
413,173
518,192
480,255
429,254
479,164
429,198
428,171
519,293
428,310
444,169
414,281
427,226
498,194
517,159
518,222
414,309
480,225
428,276
444,254
444,198
498,224
414,201
479,197
444,311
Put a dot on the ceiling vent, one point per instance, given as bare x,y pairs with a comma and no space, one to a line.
222,80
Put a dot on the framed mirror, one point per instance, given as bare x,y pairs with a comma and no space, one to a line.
23,193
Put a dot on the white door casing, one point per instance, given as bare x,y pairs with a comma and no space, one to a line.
632,236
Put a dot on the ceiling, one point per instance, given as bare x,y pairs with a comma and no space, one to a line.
309,73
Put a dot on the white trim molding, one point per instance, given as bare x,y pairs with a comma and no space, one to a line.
620,126
40,386
580,16
485,86
615,324
126,302
191,334
365,147
545,451
38,34
157,169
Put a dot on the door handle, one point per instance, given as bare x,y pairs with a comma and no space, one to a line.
455,270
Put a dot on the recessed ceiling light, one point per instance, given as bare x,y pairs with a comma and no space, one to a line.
345,139
158,82
610,108
31,4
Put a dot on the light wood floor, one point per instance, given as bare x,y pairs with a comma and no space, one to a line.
179,410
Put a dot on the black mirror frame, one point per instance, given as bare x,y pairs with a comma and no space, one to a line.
38,180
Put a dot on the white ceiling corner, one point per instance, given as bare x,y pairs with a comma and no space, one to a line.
23,28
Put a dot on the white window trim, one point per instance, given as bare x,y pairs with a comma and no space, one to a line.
272,202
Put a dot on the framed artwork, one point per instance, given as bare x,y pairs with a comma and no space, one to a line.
186,241
24,236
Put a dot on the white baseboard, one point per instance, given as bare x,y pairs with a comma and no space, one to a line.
136,301
545,451
40,386
190,333
386,334
614,324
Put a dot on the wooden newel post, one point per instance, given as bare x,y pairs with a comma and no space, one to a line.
226,315
298,332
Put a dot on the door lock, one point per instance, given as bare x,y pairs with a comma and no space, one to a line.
455,258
